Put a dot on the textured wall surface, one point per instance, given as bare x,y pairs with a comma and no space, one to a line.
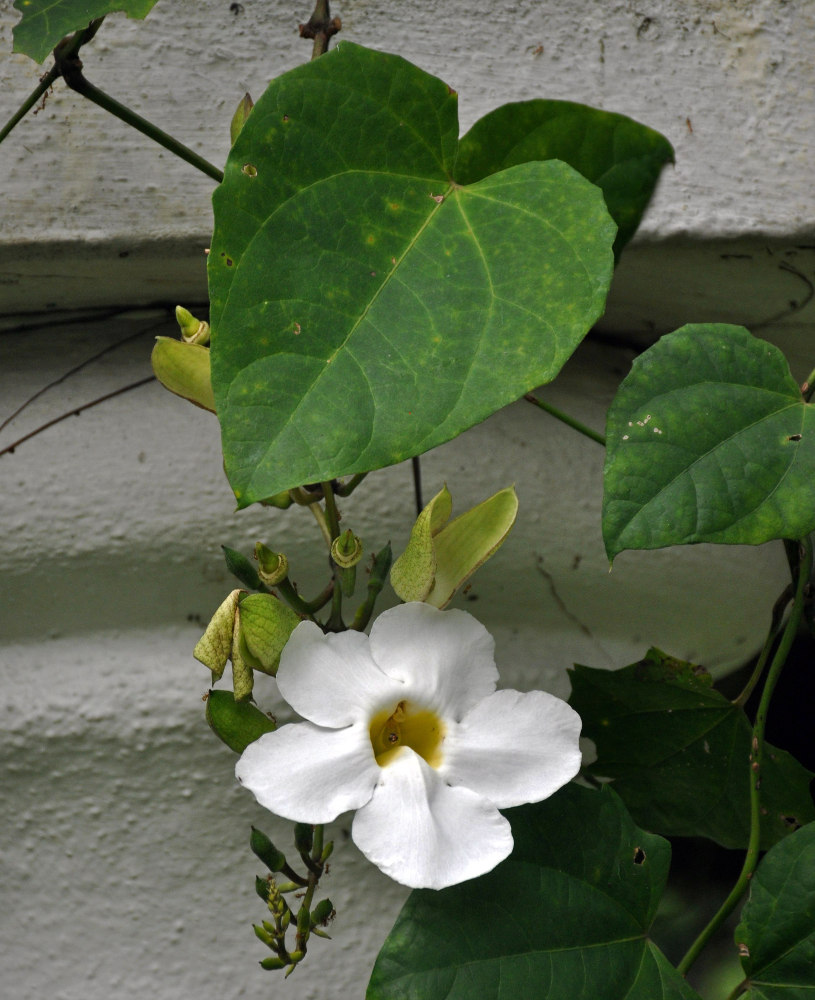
123,836
729,82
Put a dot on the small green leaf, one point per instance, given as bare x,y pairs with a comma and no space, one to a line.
46,22
440,557
184,369
565,917
776,936
266,624
708,440
623,158
236,723
678,753
366,307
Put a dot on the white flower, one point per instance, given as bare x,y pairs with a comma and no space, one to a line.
407,728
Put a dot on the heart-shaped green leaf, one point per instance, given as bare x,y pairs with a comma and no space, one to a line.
623,158
776,936
708,440
678,752
46,22
364,306
565,917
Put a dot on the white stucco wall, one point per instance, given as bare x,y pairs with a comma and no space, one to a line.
126,869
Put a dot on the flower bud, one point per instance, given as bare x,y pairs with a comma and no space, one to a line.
322,912
346,550
263,935
241,567
262,888
327,851
193,331
236,723
272,962
264,849
273,567
184,369
303,837
279,500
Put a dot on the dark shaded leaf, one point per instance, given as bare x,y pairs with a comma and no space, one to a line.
565,917
776,936
678,753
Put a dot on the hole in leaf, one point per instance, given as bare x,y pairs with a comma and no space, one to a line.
790,821
639,856
250,170
795,437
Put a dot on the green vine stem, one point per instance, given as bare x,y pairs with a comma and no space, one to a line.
347,488
756,758
738,990
68,48
566,419
376,581
332,520
29,102
779,608
71,71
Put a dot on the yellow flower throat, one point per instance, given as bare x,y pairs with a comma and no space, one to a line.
406,726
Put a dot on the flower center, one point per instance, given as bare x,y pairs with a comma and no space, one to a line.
407,725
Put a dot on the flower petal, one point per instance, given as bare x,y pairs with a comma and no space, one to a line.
308,774
445,658
514,748
425,834
332,679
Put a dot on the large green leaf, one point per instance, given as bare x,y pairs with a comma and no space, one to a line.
623,158
565,917
364,306
776,936
45,22
678,752
708,440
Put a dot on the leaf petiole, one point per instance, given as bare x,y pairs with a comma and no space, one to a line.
566,419
70,68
